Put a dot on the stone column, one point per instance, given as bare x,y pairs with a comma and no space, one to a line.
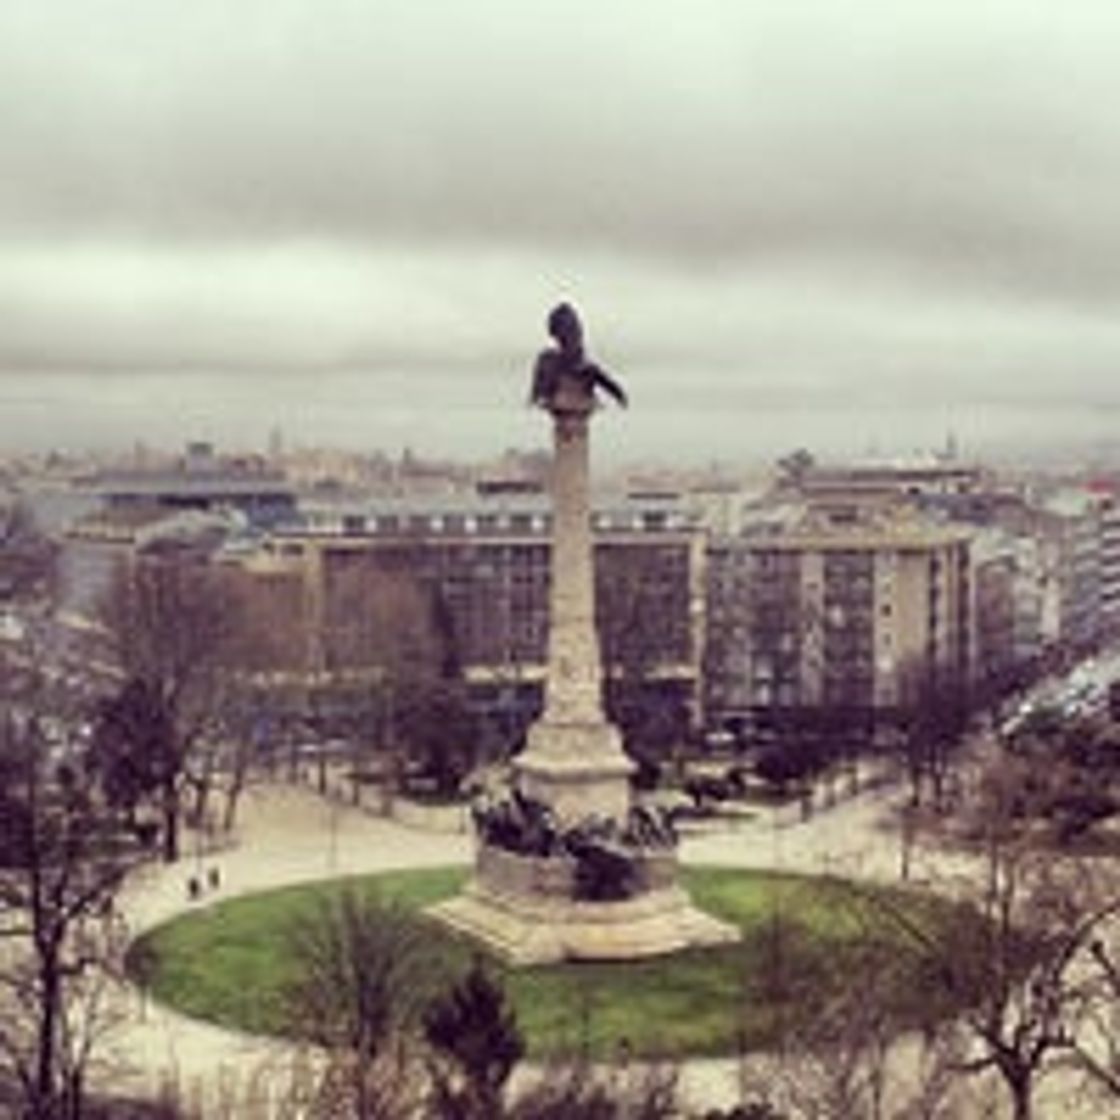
573,682
573,759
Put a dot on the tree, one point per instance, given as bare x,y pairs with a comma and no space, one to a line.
934,715
63,855
851,1055
438,731
779,766
63,850
132,745
642,616
383,621
242,745
1017,962
63,858
1021,977
1074,768
752,1110
172,625
1097,1041
28,557
580,1093
362,978
473,1031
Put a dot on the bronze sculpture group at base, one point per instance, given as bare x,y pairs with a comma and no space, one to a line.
608,858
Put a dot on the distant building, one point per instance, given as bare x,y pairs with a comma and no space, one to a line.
999,612
482,564
1029,592
201,481
1069,532
1110,564
835,622
851,485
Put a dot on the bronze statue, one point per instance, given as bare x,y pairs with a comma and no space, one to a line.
567,358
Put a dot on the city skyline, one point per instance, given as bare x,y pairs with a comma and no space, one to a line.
785,224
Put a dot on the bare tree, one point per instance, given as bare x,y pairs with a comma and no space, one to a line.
643,622
1071,771
362,978
1015,961
578,1092
63,854
385,623
172,624
859,1055
63,857
1097,1039
934,714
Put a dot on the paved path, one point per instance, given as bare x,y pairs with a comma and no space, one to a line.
286,835
290,834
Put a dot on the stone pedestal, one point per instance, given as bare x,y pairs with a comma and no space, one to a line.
578,769
523,909
531,928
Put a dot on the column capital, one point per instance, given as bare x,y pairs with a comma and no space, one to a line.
572,397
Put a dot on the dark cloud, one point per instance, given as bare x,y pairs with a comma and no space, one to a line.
782,205
961,143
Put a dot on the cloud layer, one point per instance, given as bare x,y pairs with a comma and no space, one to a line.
786,222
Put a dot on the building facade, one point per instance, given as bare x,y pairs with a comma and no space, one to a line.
836,624
1110,564
353,586
999,612
1069,534
200,481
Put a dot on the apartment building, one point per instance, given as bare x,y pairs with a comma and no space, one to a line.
837,621
1069,534
1110,564
998,611
477,568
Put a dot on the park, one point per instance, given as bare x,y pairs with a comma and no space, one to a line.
801,953
562,927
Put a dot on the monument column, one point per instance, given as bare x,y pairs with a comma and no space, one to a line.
573,679
573,759
566,871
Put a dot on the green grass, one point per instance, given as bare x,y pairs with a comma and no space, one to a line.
230,963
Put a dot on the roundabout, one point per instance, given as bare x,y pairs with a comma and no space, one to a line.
806,941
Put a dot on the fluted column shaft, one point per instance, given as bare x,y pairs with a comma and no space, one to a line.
574,676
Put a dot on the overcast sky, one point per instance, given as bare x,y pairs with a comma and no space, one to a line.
845,224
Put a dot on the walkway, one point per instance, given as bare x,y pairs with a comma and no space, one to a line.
286,835
290,834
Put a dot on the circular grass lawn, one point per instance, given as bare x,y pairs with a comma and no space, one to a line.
807,942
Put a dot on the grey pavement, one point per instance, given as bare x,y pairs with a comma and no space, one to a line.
286,835
289,834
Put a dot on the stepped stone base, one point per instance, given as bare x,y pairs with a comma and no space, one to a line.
578,769
543,928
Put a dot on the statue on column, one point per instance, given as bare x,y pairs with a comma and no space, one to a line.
569,865
567,358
